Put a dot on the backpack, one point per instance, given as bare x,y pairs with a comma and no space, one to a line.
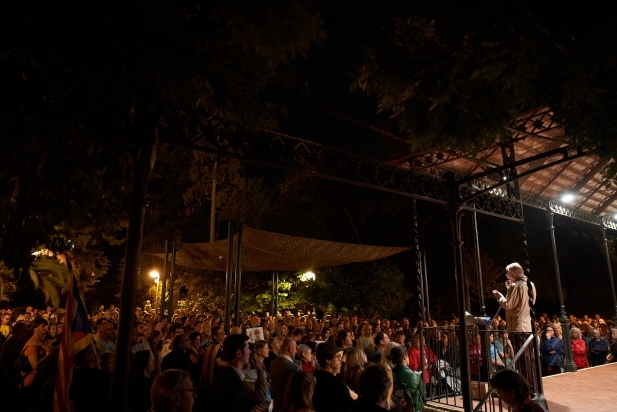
401,391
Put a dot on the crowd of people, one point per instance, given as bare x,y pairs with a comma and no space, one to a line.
301,364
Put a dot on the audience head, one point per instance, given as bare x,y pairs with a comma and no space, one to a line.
236,349
376,385
328,357
141,360
288,347
172,391
398,355
511,386
299,392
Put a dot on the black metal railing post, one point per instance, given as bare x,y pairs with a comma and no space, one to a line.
229,274
164,281
610,272
569,365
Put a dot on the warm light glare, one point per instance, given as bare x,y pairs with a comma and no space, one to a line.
615,216
567,197
307,276
155,274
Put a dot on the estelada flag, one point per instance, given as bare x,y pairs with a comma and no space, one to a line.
77,336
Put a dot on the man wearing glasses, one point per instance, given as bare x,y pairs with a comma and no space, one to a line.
173,391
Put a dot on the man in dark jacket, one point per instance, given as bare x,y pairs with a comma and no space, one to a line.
227,392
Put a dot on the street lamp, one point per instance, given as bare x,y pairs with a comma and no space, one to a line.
307,276
154,274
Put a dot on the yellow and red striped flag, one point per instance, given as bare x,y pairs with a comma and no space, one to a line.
77,335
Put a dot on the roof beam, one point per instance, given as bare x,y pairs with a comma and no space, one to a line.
553,178
539,162
606,204
592,172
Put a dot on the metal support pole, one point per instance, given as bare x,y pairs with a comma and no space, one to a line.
426,299
130,273
276,306
455,219
476,243
569,366
272,303
238,274
610,272
172,278
164,282
419,284
229,274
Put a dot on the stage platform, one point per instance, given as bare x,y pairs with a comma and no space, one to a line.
586,390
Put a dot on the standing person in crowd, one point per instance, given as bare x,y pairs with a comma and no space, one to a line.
88,383
299,392
344,339
380,340
305,354
413,381
213,362
227,392
5,326
417,359
36,350
612,356
598,349
261,354
331,394
365,341
105,337
274,346
12,347
376,387
179,357
140,382
173,391
518,315
513,390
143,331
281,369
579,348
552,351
355,360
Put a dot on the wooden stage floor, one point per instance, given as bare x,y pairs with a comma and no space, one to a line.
588,389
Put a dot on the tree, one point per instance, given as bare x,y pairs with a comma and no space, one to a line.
455,75
83,86
369,289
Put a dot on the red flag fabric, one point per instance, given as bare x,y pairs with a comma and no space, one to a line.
77,335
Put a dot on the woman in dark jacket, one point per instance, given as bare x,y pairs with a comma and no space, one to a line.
551,349
140,382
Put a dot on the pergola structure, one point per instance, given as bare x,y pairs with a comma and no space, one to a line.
532,166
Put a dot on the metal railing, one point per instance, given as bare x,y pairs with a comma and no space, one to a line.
489,351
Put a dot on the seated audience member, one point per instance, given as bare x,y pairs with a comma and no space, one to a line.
172,391
305,354
140,382
331,394
376,386
513,390
381,340
227,392
612,356
299,392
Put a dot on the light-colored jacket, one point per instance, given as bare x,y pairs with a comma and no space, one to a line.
516,304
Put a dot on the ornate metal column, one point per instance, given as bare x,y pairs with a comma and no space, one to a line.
229,273
419,280
610,272
569,366
276,306
238,275
456,215
164,282
426,298
272,312
476,245
172,278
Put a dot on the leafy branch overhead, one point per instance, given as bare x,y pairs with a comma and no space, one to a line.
455,75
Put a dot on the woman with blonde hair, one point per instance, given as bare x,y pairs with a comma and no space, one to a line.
376,387
385,358
354,365
299,392
579,348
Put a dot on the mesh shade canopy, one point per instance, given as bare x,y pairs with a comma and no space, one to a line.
265,251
